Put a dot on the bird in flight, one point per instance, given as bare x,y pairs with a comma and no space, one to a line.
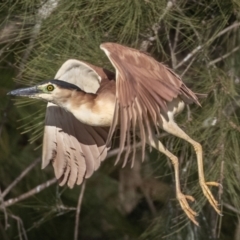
86,104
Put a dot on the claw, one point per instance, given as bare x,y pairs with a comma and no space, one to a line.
209,196
186,208
215,184
190,198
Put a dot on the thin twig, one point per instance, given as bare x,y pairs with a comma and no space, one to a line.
3,207
21,229
199,47
220,193
155,27
176,36
168,7
65,208
3,232
237,230
146,43
189,22
234,25
43,12
30,193
230,109
4,115
79,210
190,55
19,178
149,201
233,209
173,56
223,56
188,66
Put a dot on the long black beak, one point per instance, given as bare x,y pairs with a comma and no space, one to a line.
24,92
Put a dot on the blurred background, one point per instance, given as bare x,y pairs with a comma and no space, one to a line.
199,40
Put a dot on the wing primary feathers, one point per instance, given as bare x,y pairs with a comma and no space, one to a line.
123,131
129,119
114,123
146,87
141,127
60,162
99,142
64,178
134,119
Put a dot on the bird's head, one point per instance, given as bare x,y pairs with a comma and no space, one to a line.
55,91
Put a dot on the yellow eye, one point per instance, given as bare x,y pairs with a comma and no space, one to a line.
50,87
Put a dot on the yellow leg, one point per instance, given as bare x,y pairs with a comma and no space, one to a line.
171,127
180,196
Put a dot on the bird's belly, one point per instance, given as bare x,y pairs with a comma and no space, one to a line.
95,116
174,108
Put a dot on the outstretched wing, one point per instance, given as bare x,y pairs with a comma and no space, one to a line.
75,149
143,89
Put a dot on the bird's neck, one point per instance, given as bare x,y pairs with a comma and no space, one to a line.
70,100
91,109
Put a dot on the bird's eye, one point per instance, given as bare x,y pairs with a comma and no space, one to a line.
50,87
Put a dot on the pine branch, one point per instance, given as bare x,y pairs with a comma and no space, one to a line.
20,177
30,193
44,12
200,47
213,62
79,210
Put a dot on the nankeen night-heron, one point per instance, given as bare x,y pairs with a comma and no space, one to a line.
86,104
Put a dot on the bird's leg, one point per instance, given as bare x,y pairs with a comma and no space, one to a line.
171,127
154,142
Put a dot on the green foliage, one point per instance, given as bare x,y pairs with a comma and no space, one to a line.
199,40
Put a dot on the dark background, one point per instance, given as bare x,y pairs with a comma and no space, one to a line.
200,41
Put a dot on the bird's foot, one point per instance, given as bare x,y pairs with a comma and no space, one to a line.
185,206
209,196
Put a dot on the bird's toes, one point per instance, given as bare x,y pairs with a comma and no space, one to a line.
215,184
210,197
190,198
186,208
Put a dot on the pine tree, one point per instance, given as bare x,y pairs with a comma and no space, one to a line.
199,40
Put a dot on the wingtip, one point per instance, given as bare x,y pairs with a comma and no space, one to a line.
104,46
44,163
105,43
70,184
